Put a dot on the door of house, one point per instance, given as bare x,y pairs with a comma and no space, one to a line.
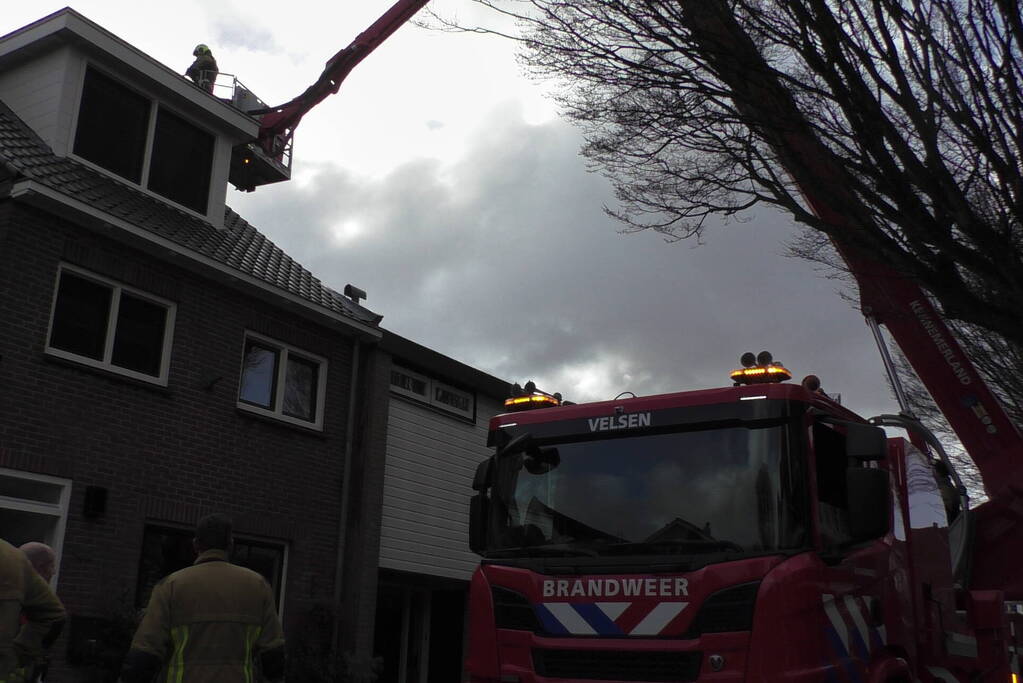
420,633
33,507
402,637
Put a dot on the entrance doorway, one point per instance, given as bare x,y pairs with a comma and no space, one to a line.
419,633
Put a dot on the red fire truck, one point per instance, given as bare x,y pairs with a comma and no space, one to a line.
760,531
755,532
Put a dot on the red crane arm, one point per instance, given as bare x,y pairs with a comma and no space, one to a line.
281,120
991,439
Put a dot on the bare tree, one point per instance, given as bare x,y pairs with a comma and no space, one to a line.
915,106
999,361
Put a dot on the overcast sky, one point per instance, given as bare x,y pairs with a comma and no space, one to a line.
442,182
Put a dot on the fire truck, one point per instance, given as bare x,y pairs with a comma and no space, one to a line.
759,531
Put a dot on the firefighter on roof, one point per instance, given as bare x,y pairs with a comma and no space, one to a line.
203,70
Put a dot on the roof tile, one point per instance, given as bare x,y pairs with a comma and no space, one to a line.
238,245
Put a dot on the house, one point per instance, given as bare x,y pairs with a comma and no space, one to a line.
161,359
438,414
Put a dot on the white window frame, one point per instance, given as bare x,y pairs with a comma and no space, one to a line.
265,540
286,545
115,303
284,351
408,392
429,398
155,106
58,510
468,414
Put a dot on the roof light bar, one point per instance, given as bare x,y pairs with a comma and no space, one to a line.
759,369
529,397
534,401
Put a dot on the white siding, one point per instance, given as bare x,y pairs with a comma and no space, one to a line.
431,459
34,90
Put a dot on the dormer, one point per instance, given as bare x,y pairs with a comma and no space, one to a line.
94,98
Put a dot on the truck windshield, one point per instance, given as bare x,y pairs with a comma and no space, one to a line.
735,489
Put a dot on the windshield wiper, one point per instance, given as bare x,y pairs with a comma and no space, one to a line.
701,545
519,443
548,550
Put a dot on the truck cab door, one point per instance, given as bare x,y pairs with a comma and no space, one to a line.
852,522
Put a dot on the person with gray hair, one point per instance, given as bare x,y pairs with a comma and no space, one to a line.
213,622
31,616
44,561
42,557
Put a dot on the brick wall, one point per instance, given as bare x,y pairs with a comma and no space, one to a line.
169,453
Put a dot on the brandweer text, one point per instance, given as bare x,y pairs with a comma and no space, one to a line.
669,587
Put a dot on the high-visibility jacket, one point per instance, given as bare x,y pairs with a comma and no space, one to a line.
203,71
212,621
24,593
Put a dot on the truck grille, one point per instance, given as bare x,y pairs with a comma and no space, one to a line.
512,610
603,665
730,609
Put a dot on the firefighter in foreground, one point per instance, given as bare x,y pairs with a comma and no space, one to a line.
23,593
213,621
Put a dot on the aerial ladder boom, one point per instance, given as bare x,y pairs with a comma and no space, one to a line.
978,419
278,123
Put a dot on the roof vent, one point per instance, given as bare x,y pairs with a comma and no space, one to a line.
354,293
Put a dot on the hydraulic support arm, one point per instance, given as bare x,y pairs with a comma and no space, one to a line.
280,122
897,302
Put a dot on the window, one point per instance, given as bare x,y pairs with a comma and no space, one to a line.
98,322
926,506
113,132
166,549
282,382
182,161
451,399
112,126
33,507
411,384
832,501
433,392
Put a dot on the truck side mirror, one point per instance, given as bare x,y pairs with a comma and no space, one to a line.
867,491
865,442
482,478
478,523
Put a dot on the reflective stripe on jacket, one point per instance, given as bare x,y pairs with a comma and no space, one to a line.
209,622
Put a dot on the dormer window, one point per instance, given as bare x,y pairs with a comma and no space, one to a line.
113,123
136,138
181,161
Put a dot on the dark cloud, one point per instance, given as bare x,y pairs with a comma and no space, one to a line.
505,261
